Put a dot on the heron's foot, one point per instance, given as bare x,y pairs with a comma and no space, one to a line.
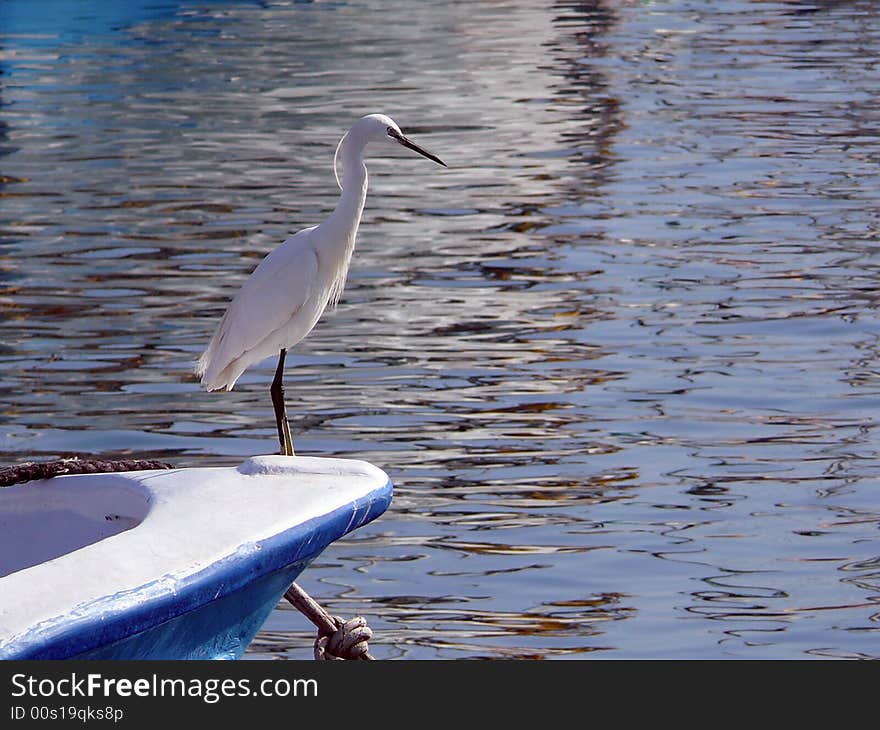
287,451
285,439
288,440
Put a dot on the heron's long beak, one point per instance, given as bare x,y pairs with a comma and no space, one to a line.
414,147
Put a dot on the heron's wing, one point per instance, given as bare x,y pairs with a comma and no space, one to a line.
266,307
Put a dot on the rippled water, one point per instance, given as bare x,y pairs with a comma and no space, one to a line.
620,359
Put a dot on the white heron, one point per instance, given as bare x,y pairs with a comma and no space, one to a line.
285,296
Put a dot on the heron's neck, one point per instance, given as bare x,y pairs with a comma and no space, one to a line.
354,184
340,228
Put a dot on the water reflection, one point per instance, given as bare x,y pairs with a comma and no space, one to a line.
619,359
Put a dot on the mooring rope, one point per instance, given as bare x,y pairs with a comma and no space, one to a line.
337,638
30,471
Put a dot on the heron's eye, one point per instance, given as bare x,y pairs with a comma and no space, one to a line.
389,131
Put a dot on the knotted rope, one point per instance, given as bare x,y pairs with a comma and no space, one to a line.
337,638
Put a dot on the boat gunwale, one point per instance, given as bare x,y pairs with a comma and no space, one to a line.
95,623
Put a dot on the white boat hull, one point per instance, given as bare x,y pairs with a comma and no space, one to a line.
168,564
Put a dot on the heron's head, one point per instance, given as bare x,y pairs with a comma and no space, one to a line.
377,127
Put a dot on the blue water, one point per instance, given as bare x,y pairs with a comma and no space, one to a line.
620,359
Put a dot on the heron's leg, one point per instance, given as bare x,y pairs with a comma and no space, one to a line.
277,393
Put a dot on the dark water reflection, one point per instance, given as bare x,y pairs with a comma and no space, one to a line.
619,359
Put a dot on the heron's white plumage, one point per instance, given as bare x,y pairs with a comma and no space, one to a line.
284,297
276,307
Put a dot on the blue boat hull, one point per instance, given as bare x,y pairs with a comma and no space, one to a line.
221,629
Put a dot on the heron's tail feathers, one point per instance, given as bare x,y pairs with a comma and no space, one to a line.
211,377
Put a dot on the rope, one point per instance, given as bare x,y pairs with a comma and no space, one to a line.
30,471
337,638
349,641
